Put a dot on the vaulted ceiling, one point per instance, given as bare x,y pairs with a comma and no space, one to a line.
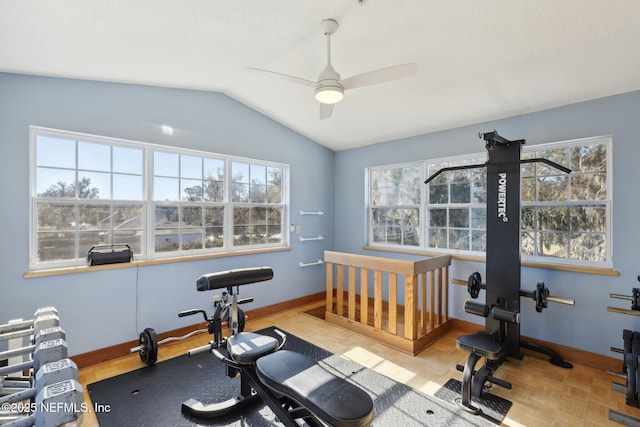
478,60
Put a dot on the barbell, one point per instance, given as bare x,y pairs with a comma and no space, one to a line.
541,295
635,302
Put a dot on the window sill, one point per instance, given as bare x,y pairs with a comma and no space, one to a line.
85,268
572,268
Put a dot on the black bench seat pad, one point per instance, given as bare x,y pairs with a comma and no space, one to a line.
333,399
482,344
246,347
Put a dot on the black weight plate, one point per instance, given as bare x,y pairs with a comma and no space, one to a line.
148,342
153,348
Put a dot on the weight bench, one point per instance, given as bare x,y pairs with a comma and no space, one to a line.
291,384
481,345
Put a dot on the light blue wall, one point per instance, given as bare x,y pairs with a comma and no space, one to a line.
586,326
100,309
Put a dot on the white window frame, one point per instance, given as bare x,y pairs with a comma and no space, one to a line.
148,203
424,225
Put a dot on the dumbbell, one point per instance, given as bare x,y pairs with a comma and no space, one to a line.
22,325
55,405
47,351
49,373
12,384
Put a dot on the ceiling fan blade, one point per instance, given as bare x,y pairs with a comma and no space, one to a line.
285,77
326,110
380,76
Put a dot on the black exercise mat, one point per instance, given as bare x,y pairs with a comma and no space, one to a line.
493,407
153,395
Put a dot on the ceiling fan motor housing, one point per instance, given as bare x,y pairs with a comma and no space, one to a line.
329,90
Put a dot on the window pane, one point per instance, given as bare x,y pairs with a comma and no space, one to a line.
214,216
478,240
590,247
553,218
55,183
528,219
478,217
528,189
274,194
244,232
56,152
460,193
437,217
213,169
191,190
274,176
94,217
95,157
589,187
94,185
167,217
165,164
459,239
553,244
165,189
213,191
131,238
258,193
127,217
438,238
56,217
190,167
91,238
127,160
459,218
479,192
240,193
214,237
127,187
528,243
438,193
56,246
258,174
240,172
552,188
167,240
192,240
274,234
589,218
191,216
590,158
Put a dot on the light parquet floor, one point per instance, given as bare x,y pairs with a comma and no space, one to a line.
542,394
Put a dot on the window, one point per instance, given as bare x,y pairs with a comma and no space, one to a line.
395,205
565,218
89,190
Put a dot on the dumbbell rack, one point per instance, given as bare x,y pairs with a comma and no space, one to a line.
50,394
630,361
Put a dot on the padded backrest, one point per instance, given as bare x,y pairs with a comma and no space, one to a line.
225,279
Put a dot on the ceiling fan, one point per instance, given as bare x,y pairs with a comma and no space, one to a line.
329,89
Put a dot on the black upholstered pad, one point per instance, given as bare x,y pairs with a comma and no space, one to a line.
332,399
481,344
246,347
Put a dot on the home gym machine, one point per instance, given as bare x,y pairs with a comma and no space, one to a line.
291,384
148,343
630,361
501,338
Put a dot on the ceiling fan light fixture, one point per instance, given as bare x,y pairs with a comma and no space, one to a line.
329,94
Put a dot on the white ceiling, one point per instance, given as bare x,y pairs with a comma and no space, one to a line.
478,60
